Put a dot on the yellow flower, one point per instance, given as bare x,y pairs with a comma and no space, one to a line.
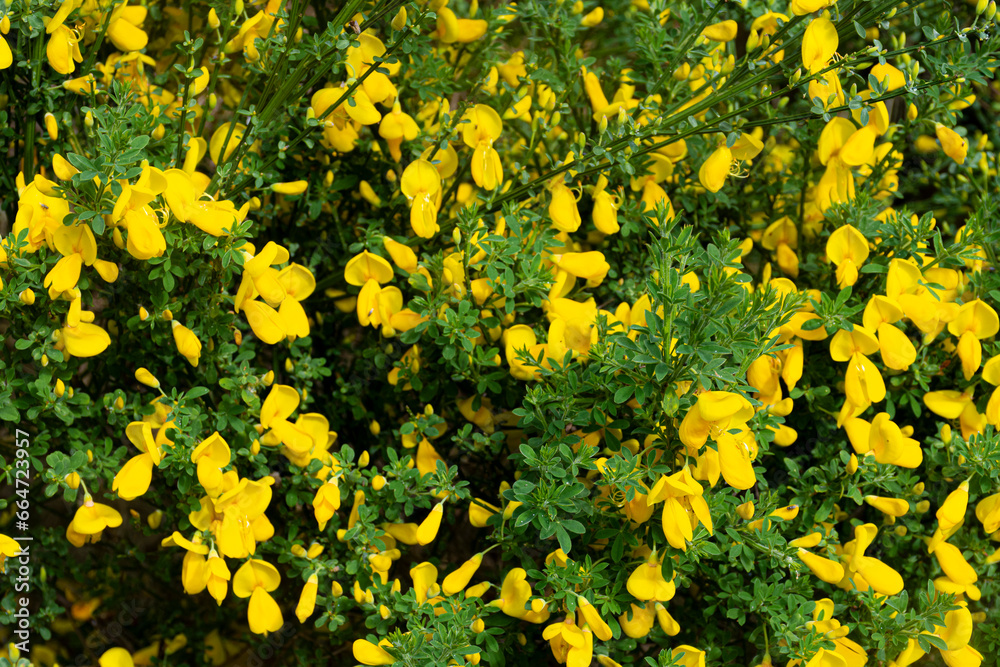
605,213
116,657
562,209
211,455
827,570
370,654
683,507
397,127
847,248
895,507
421,184
514,595
481,127
863,383
8,549
819,43
953,144
187,343
974,322
952,512
62,50
124,31
6,55
290,188
459,579
218,577
647,583
724,160
256,579
879,576
592,619
90,521
307,600
133,479
326,502
428,528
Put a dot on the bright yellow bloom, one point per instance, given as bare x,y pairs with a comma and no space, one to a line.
819,43
307,600
133,479
421,184
847,248
953,144
481,127
647,582
256,579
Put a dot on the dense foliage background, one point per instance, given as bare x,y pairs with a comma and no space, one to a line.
455,332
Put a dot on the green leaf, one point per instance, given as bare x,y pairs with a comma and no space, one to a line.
624,393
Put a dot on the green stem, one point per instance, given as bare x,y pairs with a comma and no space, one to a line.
92,56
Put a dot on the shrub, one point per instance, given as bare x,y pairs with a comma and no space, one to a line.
553,332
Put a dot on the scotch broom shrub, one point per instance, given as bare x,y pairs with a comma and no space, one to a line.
432,333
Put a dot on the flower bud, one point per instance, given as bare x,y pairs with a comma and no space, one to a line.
27,296
155,519
73,480
363,459
852,465
147,378
378,482
268,379
399,20
159,132
51,126
746,510
991,10
213,19
60,388
374,428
